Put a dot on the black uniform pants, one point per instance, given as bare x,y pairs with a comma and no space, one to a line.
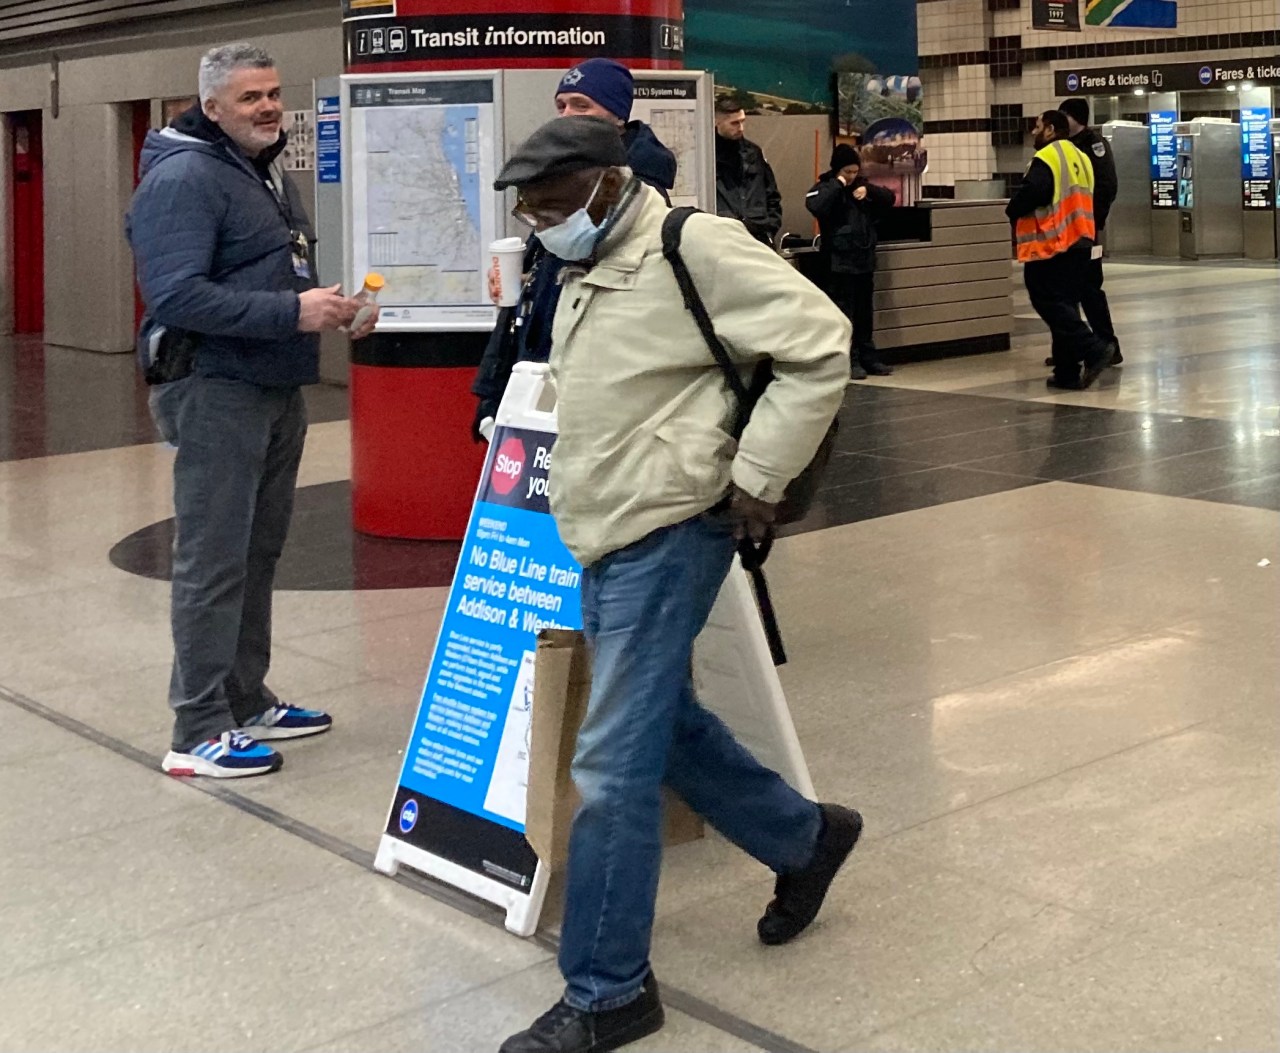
855,295
1057,287
1096,307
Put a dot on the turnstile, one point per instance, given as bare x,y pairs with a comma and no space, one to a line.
1128,230
1210,202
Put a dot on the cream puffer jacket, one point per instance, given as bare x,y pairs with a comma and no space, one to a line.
643,409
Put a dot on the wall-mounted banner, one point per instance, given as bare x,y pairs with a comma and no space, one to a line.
1133,14
416,34
1176,76
329,139
1056,14
886,114
1164,159
782,53
1258,157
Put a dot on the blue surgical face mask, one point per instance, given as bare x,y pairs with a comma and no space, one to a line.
576,238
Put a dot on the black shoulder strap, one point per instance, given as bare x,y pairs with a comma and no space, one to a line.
753,556
672,231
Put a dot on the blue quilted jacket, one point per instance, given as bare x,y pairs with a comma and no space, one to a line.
212,246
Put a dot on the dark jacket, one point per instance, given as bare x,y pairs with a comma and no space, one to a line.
848,226
212,245
746,189
1106,182
1035,192
523,332
652,162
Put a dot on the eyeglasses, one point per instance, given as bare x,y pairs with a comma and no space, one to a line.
534,218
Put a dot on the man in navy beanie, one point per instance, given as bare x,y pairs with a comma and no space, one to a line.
597,88
601,87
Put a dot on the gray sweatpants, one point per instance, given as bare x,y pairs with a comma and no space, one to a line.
239,447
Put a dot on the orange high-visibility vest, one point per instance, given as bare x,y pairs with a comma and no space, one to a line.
1052,230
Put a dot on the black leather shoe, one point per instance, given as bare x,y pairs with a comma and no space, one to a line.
878,369
1094,369
856,372
1063,385
798,897
1119,359
563,1029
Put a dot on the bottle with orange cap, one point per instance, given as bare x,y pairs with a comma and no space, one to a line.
373,285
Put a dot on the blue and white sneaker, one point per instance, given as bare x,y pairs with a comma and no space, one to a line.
232,755
283,721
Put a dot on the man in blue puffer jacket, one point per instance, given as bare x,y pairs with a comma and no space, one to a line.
224,254
601,88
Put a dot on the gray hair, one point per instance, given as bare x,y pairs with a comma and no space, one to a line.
219,63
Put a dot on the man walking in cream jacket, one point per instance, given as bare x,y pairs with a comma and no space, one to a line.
649,491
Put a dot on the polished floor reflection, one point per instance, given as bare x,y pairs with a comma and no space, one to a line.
1033,637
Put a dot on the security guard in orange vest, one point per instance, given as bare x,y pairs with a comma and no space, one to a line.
1055,231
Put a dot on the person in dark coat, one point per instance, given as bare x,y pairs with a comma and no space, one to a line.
596,88
1094,145
746,189
224,256
846,206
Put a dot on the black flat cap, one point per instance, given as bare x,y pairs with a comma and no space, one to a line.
561,146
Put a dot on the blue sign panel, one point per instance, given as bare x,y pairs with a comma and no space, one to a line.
1164,159
462,788
328,140
1258,157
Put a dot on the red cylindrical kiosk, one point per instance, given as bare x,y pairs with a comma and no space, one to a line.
414,467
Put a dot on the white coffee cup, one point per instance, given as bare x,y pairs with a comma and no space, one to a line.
508,259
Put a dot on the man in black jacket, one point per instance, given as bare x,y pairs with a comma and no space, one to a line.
846,206
746,189
1106,186
1055,230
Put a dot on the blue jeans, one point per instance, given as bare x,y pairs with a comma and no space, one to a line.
643,607
239,447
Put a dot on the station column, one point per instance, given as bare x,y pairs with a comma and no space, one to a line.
414,465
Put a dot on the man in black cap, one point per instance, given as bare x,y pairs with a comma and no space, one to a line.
1091,142
846,206
650,493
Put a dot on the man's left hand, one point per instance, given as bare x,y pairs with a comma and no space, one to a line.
752,518
370,324
860,194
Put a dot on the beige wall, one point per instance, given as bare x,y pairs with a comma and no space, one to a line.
793,145
88,154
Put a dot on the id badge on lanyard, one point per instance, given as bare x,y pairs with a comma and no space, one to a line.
299,246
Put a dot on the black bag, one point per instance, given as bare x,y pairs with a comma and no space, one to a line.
171,355
800,494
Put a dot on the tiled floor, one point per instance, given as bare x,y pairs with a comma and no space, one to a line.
1033,637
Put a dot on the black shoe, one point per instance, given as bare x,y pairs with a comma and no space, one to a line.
878,369
856,372
564,1029
1119,359
1064,385
1094,369
798,897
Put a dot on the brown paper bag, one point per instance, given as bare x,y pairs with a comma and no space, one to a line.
561,688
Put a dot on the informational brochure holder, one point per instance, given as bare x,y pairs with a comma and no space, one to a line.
458,811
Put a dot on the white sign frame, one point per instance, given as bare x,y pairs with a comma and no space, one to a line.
733,672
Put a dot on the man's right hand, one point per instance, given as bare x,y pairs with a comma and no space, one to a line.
495,283
325,310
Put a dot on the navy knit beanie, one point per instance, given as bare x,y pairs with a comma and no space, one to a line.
604,81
